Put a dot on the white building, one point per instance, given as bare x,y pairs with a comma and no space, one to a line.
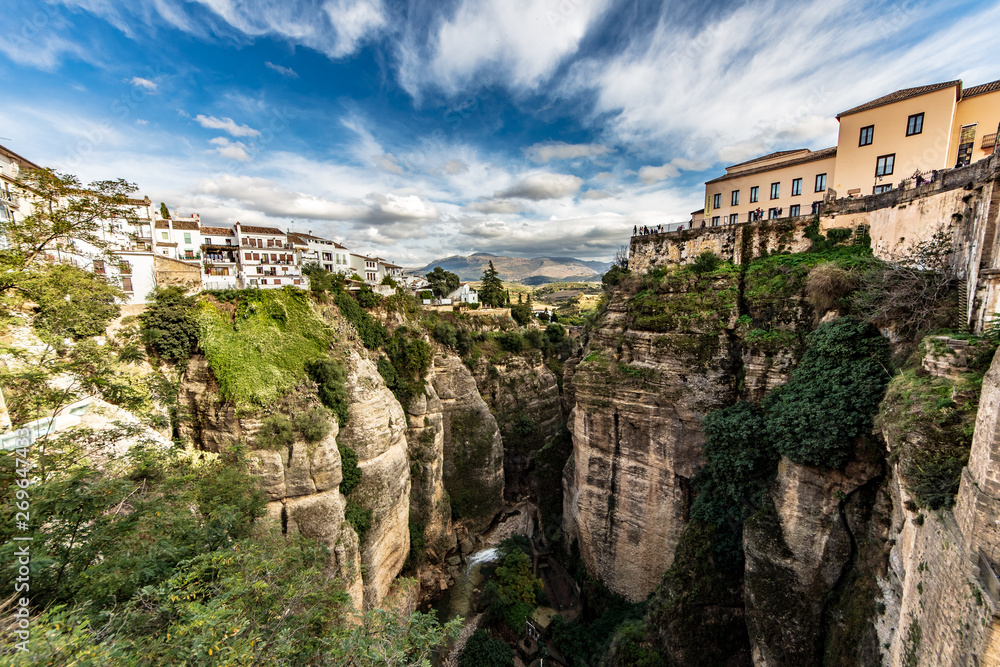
220,258
464,294
369,268
178,238
268,258
11,205
329,255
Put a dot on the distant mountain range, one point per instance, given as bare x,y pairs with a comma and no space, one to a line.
530,271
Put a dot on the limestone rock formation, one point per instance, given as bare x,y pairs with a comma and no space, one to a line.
523,395
796,553
473,448
376,431
639,394
430,508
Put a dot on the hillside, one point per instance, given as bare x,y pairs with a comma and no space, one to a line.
532,271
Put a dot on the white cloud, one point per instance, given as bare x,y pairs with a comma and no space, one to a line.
283,71
518,41
558,150
140,82
226,125
455,167
650,174
543,186
232,150
595,194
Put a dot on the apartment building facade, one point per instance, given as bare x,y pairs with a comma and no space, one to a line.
268,259
785,184
903,137
329,255
12,207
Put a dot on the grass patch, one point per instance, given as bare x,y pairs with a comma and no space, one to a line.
258,342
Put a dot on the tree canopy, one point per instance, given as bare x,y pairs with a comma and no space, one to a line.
443,282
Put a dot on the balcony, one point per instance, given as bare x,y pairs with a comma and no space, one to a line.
989,141
8,198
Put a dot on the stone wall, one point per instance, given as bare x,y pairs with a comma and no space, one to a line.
170,272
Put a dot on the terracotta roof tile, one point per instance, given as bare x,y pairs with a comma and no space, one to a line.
900,95
981,89
811,157
247,229
162,224
217,231
186,224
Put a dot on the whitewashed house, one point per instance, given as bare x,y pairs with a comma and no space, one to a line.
464,294
268,259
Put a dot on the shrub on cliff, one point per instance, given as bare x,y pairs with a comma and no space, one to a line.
482,650
706,262
330,378
832,397
370,330
741,461
167,325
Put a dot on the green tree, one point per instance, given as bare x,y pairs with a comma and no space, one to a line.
168,326
512,595
164,211
491,292
483,650
442,283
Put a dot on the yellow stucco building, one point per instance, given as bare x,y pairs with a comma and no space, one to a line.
902,136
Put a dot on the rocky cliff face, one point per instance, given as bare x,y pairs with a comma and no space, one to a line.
376,431
523,395
646,378
300,482
473,452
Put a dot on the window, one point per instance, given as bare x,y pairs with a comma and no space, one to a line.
256,257
248,256
717,200
277,281
879,189
270,243
775,190
733,218
754,193
165,235
820,183
127,284
715,221
815,207
227,242
915,124
208,241
260,269
297,281
867,136
794,210
796,186
884,164
734,200
99,267
773,213
187,237
125,268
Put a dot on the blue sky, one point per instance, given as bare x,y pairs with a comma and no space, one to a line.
427,128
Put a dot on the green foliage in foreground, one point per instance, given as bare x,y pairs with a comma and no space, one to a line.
513,594
259,348
163,562
482,650
833,395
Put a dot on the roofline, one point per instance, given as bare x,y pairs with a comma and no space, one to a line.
918,91
21,159
813,156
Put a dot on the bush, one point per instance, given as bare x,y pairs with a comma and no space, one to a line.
512,594
350,472
330,378
510,341
313,425
521,313
276,432
706,262
445,334
832,396
370,330
168,326
482,650
367,297
827,284
409,358
359,518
